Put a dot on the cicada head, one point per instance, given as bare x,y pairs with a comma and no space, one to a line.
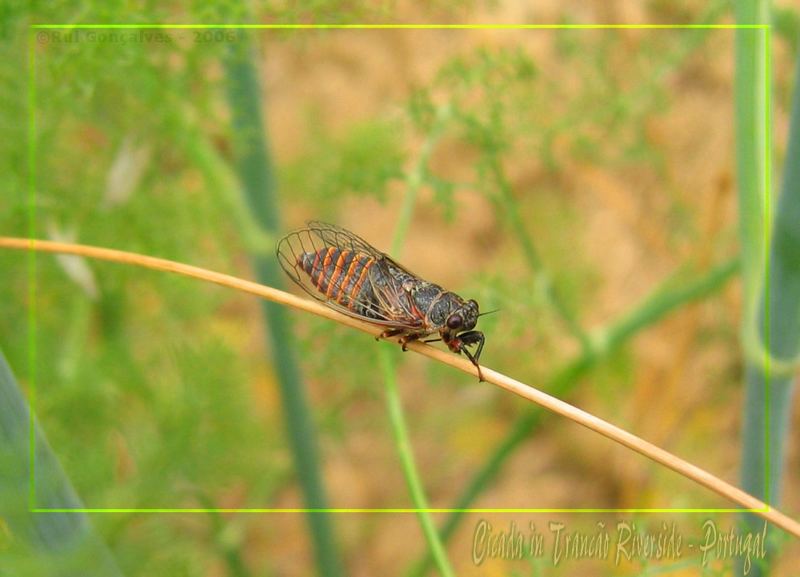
463,318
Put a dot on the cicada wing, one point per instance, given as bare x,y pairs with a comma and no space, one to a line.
333,235
290,247
337,284
392,298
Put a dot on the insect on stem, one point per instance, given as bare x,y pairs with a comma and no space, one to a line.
342,270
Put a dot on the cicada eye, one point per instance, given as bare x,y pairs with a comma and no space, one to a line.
455,321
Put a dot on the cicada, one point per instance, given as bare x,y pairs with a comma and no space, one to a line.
348,274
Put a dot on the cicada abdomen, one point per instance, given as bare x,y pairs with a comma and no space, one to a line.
341,276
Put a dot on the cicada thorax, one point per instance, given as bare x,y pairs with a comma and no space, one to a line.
435,304
341,276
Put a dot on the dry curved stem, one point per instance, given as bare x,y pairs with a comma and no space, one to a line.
553,404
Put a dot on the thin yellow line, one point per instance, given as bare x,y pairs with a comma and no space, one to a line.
382,510
766,142
32,269
407,26
765,27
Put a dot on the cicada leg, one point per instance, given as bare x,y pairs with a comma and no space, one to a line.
389,333
468,339
405,336
405,339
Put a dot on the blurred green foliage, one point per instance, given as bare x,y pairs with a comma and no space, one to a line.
363,162
141,384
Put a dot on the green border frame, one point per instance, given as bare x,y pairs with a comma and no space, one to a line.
31,162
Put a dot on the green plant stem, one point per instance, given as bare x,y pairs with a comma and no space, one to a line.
657,305
751,129
61,543
220,178
414,180
416,176
403,443
227,550
750,110
256,175
772,366
530,252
